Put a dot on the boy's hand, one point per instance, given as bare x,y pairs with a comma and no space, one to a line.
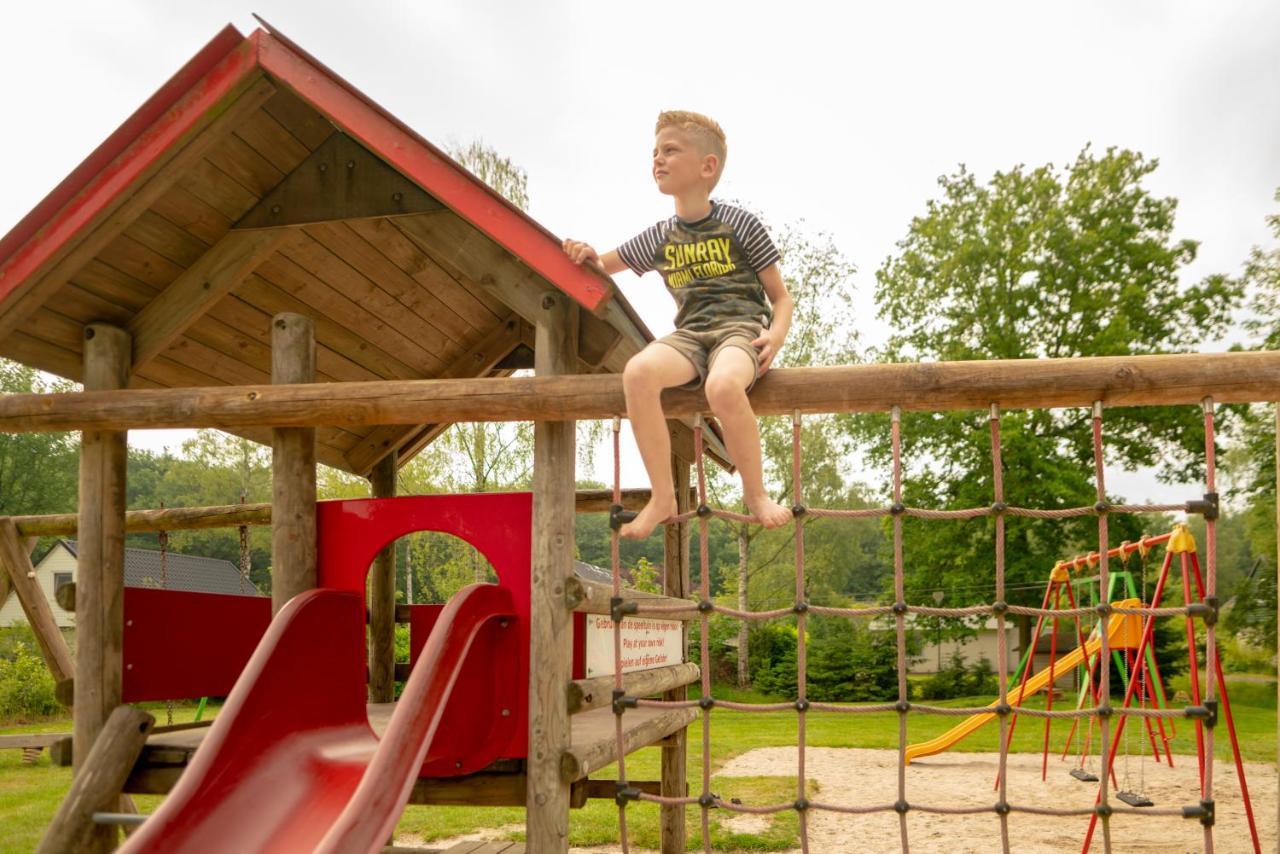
768,348
580,252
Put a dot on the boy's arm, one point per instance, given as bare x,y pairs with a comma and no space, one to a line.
611,262
770,341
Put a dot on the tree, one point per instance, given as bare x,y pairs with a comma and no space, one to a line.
500,173
38,471
1251,463
1035,263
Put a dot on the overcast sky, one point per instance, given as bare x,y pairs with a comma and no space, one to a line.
841,114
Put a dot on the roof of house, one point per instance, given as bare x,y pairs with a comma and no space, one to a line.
591,572
192,573
257,181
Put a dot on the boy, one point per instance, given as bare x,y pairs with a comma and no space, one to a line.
720,265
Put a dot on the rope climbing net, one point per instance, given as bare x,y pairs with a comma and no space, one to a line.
1102,714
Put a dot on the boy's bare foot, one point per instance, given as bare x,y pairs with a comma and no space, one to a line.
770,513
649,518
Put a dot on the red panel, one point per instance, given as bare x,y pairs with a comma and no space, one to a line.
496,675
433,170
179,644
107,173
579,646
290,763
422,619
287,750
370,816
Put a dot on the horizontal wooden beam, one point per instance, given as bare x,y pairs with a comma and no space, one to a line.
640,728
31,739
477,361
593,693
592,597
235,515
142,521
935,386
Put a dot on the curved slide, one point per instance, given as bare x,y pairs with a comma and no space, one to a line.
1120,629
291,763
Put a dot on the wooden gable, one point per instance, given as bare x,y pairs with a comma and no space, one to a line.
257,182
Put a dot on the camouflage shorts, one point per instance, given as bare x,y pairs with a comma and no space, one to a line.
701,348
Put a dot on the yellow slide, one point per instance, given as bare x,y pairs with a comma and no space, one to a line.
1124,633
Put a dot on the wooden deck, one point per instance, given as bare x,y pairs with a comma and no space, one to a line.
501,784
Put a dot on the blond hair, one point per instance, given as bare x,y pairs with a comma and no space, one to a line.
705,132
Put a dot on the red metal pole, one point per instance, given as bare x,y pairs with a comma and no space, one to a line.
1231,724
1195,667
1026,671
1048,702
1148,630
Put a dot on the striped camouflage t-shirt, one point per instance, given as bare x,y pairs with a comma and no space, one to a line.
709,266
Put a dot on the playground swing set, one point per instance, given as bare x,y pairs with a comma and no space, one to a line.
1133,656
263,250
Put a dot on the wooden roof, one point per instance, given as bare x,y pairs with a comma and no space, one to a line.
257,181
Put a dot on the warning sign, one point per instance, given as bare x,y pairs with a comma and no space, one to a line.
645,644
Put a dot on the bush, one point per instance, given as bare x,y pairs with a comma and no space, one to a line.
847,662
957,680
26,687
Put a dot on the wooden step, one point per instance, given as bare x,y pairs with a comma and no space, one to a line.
594,743
593,746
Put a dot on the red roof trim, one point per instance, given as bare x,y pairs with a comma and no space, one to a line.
432,169
97,163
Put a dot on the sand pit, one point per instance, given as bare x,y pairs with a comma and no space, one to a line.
863,777
855,776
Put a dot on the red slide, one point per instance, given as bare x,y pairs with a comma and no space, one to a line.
291,763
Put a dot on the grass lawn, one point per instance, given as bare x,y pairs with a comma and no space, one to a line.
29,795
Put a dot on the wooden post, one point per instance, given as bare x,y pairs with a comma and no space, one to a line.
675,583
551,629
293,467
100,561
98,785
382,597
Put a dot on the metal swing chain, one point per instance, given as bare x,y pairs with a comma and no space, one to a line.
244,551
1144,687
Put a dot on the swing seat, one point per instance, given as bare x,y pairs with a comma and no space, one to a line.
1134,799
1084,776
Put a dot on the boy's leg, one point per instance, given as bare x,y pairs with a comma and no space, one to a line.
653,369
731,374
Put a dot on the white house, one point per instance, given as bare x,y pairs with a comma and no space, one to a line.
142,568
984,644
